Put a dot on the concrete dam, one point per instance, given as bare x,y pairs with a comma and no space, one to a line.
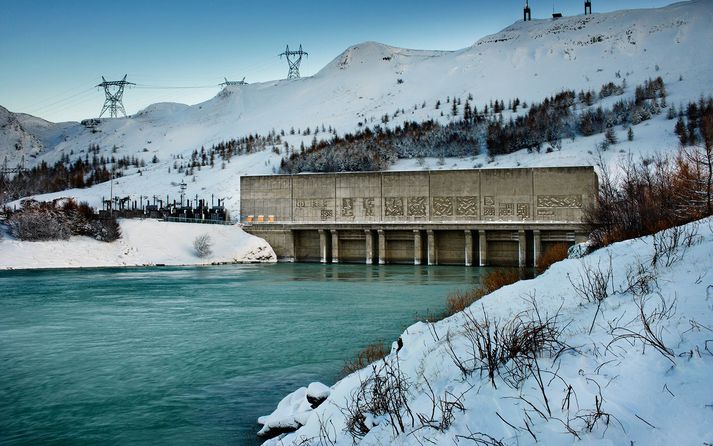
475,217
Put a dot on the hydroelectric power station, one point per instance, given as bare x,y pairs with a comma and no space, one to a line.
500,217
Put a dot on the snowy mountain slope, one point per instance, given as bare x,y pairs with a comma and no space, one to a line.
607,386
16,143
527,60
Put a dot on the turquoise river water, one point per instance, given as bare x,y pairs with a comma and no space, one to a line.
189,356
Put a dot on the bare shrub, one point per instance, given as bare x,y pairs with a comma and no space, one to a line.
202,245
651,195
586,420
551,255
506,349
670,245
442,414
383,393
371,353
651,332
593,285
641,280
500,278
481,439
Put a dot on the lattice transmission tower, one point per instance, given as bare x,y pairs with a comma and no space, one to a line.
114,92
294,59
228,83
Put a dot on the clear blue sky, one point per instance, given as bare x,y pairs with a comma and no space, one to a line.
53,51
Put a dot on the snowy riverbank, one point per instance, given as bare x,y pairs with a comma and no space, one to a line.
635,369
143,242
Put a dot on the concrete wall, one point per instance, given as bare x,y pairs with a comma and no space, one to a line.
485,195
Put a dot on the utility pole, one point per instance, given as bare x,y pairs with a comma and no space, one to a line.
182,187
111,193
114,93
294,59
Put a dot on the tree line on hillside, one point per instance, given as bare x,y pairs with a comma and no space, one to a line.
65,174
659,192
377,148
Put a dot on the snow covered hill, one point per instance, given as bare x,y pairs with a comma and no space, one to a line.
632,367
529,61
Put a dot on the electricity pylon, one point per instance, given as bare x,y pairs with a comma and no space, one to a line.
114,92
294,58
228,83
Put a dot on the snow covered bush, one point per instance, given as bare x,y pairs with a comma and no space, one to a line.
59,220
202,245
39,225
384,393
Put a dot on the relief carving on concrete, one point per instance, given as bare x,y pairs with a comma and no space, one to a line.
327,214
369,207
545,213
442,206
394,207
347,207
417,206
523,210
467,206
507,210
488,201
559,201
489,211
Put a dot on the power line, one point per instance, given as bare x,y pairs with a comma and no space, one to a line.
173,87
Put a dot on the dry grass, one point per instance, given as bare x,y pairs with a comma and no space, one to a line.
460,300
500,278
551,255
371,353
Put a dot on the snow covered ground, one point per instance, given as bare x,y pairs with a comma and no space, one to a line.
609,382
143,242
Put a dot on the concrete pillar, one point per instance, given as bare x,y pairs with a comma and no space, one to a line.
522,258
483,244
291,248
417,247
335,246
322,246
369,247
537,248
432,257
468,248
382,247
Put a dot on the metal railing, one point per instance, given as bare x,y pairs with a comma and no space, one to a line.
198,220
